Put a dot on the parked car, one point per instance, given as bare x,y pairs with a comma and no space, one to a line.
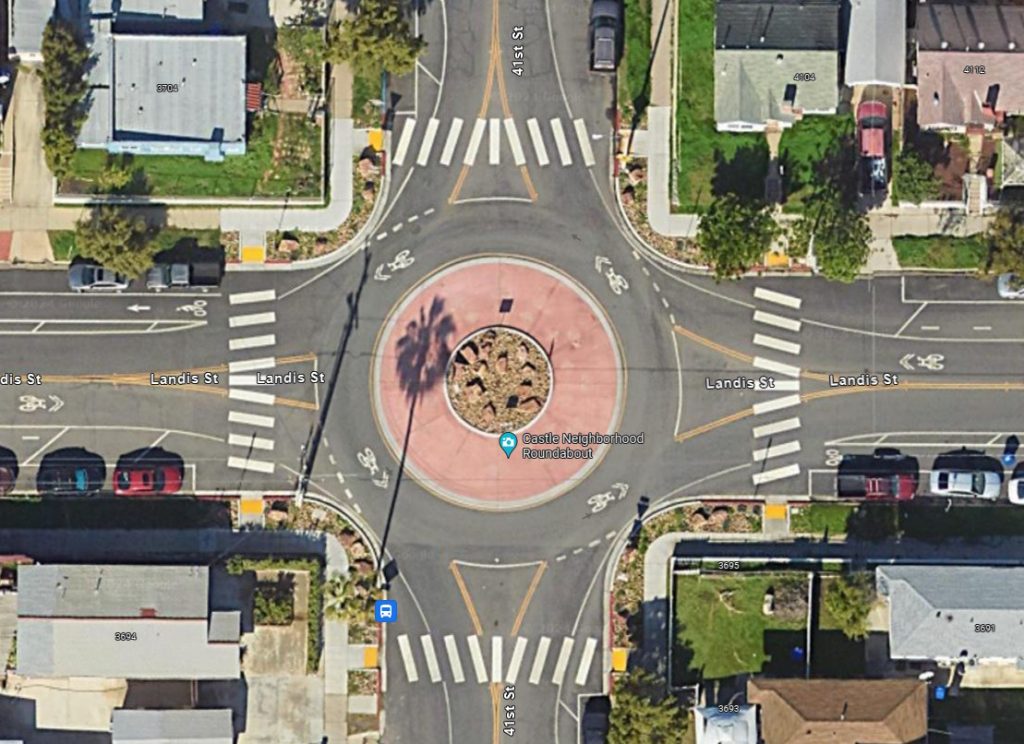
1010,287
147,479
974,484
91,277
7,480
595,720
71,472
885,474
201,275
1015,488
872,125
605,35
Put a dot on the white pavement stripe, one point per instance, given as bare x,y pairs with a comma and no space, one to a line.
410,663
585,661
778,427
777,385
538,661
240,321
433,668
474,141
773,366
403,142
453,138
250,419
250,396
242,380
776,343
538,141
494,132
779,321
252,342
244,463
247,298
776,404
518,157
516,661
251,365
562,662
584,140
478,659
768,476
769,295
454,660
495,659
776,450
241,440
560,142
428,141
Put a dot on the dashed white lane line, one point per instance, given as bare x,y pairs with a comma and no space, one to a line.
982,328
348,493
428,141
241,440
584,140
494,142
664,303
787,471
433,668
560,558
410,663
777,427
778,344
562,662
478,659
341,478
449,144
593,543
413,218
246,298
609,535
475,137
359,509
516,661
250,419
776,385
454,661
589,647
518,156
251,365
496,659
656,287
242,321
769,295
403,142
331,457
776,450
538,661
776,404
930,328
252,342
778,321
250,396
773,366
538,141
382,235
244,463
560,142
428,212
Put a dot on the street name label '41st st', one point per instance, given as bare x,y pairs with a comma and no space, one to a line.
518,51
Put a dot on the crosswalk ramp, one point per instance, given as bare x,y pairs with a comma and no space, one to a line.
424,142
498,659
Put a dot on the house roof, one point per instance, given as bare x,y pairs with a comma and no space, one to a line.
750,85
933,611
970,25
172,727
833,711
225,626
714,726
947,96
876,46
777,24
1012,162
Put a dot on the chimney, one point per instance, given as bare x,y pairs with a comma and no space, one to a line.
842,716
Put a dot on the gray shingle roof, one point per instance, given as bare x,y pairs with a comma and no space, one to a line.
966,24
172,726
876,48
949,97
777,24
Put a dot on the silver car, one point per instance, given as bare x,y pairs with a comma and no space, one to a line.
972,484
89,277
1010,286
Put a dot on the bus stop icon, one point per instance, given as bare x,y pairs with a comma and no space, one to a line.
386,610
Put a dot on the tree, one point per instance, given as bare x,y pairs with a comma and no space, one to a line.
116,240
848,600
1006,242
840,236
65,57
642,713
305,46
350,597
913,178
376,37
734,235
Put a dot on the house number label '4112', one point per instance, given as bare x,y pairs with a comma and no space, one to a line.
518,52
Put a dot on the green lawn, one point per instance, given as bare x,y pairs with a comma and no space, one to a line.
720,629
806,148
635,58
297,170
709,162
365,88
62,242
833,654
64,248
816,519
941,252
935,524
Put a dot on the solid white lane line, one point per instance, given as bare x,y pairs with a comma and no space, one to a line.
250,419
562,662
428,141
779,321
768,476
538,141
241,440
776,343
584,139
246,298
478,659
449,145
244,463
777,385
242,380
494,142
454,660
770,295
560,142
773,366
433,668
252,342
538,661
249,396
518,156
516,661
241,321
776,450
776,404
251,365
410,663
777,427
585,661
474,141
496,659
403,142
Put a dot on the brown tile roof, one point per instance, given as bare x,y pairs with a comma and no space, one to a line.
833,711
948,96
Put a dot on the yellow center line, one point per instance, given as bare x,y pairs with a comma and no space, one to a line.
453,566
733,354
538,574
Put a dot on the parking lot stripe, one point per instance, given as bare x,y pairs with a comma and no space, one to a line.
773,366
428,141
250,396
252,342
454,661
478,658
250,419
769,295
776,450
776,343
475,137
787,471
538,141
563,661
241,321
244,463
538,661
410,663
584,140
433,668
495,659
585,661
516,661
779,321
241,440
560,142
251,365
403,142
518,157
494,156
776,385
777,427
449,144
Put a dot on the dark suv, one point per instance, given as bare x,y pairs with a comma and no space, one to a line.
605,34
885,475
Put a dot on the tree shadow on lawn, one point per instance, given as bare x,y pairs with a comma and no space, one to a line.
741,174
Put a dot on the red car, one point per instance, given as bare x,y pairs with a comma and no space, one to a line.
147,480
872,126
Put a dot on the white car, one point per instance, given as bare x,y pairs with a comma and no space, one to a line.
1010,286
1015,489
972,484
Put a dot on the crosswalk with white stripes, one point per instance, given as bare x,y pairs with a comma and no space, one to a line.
508,661
439,141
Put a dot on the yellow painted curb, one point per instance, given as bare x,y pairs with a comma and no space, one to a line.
254,254
376,138
619,658
776,260
370,657
775,511
251,506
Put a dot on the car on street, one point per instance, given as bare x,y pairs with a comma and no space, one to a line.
1015,488
595,720
147,479
71,472
7,480
972,484
872,125
605,35
1010,287
91,277
886,474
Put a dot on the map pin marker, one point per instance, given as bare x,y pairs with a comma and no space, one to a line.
508,443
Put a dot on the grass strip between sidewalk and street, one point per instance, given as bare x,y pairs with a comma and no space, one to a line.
941,252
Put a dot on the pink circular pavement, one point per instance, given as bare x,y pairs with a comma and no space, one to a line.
445,455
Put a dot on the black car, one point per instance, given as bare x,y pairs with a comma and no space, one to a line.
73,471
605,35
596,714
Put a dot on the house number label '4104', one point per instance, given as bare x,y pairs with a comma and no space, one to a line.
518,51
